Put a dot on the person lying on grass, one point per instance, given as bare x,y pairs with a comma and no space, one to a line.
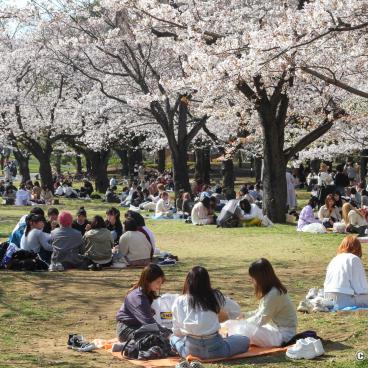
196,320
136,311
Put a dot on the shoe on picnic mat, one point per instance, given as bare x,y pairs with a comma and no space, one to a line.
196,364
302,350
152,353
312,293
75,340
183,364
317,343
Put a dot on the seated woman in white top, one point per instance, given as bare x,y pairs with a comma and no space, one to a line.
22,197
252,214
346,283
34,239
354,221
201,212
163,207
196,321
134,248
328,214
275,320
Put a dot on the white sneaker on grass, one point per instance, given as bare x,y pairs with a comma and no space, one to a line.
301,350
183,364
312,293
305,307
317,343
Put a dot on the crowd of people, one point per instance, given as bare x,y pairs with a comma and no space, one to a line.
341,203
63,242
198,311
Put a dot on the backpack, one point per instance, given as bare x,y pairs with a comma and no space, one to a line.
23,260
147,343
3,248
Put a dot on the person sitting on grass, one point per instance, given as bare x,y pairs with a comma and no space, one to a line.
196,321
46,195
163,207
81,223
136,311
22,197
353,219
275,307
306,216
35,240
134,248
200,214
187,205
111,196
346,282
52,222
18,231
113,223
252,214
36,193
67,244
97,244
141,223
328,214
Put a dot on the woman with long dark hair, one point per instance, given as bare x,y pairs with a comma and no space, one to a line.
113,223
275,306
34,239
196,320
136,310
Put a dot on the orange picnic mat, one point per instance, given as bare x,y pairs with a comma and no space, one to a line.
171,362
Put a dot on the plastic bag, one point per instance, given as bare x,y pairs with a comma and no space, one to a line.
339,227
163,308
264,336
315,228
232,308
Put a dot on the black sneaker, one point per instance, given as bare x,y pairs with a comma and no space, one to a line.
75,341
95,267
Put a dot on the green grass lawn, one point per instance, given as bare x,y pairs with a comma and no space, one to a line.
38,310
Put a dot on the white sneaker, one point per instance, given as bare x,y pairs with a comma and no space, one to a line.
321,293
320,308
318,347
301,350
183,364
119,265
312,293
305,306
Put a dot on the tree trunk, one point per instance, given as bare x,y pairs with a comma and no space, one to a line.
78,164
23,162
240,160
45,169
99,162
363,165
88,164
180,171
161,160
258,168
203,164
228,179
315,165
123,156
134,157
198,170
58,162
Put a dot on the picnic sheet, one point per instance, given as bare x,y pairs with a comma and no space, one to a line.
171,362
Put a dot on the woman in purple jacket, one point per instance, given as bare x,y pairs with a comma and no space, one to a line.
306,216
136,310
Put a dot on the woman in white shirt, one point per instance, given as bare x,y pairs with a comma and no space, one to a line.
328,214
163,207
22,197
196,321
200,213
275,320
346,283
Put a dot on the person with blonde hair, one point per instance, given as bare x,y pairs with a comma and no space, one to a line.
354,221
346,282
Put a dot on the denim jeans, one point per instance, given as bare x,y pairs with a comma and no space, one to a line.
214,347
